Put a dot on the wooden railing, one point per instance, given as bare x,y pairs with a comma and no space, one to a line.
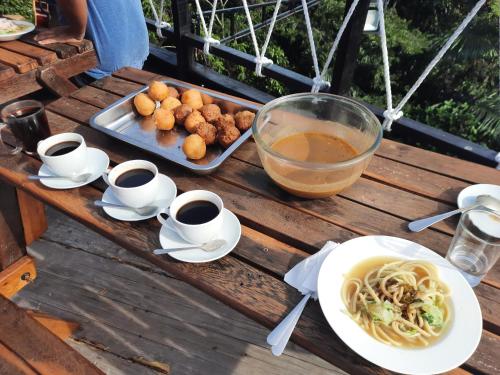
182,35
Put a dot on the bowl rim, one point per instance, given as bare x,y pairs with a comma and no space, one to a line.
315,165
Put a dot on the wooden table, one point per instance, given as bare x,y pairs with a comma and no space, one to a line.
26,66
402,183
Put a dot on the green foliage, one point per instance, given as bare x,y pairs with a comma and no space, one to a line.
22,7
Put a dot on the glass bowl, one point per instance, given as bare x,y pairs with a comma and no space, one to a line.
315,145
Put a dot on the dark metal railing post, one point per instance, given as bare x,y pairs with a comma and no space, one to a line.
182,26
347,53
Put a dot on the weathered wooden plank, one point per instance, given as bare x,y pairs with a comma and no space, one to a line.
6,72
82,46
12,364
41,55
171,309
116,85
72,108
12,243
20,63
17,276
55,83
32,215
378,195
43,351
22,84
95,97
358,218
416,180
108,362
439,163
62,50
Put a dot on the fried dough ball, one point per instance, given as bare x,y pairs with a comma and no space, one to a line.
170,103
226,136
144,105
194,147
193,120
211,112
172,91
192,98
164,119
224,121
157,90
207,99
243,120
208,132
181,112
230,107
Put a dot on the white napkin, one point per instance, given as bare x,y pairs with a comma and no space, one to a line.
303,277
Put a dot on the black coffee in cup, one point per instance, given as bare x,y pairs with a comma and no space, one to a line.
27,121
62,148
197,212
134,177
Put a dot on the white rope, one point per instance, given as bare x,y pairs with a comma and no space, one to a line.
158,22
260,56
319,79
339,36
208,32
391,114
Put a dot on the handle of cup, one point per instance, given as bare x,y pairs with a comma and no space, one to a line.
161,219
17,149
105,178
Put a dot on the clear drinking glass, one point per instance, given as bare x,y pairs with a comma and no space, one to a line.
476,245
28,123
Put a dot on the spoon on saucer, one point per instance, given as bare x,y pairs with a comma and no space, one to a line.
77,178
143,211
484,200
207,246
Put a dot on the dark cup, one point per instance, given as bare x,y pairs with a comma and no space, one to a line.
27,120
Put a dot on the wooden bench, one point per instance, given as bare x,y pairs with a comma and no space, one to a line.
402,183
26,66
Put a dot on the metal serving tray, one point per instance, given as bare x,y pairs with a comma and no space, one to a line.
121,121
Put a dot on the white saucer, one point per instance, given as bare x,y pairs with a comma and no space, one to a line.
231,232
468,196
98,162
167,191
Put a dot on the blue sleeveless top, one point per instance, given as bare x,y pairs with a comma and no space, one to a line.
119,33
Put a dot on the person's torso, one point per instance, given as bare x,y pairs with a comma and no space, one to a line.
118,31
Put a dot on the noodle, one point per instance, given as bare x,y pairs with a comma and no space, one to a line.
400,303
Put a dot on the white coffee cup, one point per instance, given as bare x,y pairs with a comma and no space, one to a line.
138,196
195,233
67,165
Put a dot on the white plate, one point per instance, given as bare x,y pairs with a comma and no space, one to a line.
459,342
468,196
98,162
231,232
167,191
17,35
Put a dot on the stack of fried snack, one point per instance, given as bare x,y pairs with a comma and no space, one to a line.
197,112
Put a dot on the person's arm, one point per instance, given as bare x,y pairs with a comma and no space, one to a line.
75,14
